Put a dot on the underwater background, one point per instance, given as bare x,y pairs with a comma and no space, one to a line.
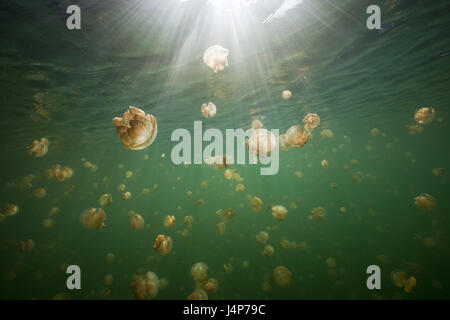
68,85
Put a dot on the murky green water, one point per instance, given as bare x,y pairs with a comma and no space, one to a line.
68,85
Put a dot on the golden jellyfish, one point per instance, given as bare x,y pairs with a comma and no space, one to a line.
198,294
284,142
228,214
262,237
188,221
40,193
311,121
438,172
279,212
256,204
261,142
424,115
137,223
145,287
374,132
163,283
169,221
126,195
333,186
342,210
286,94
268,251
63,173
297,137
236,177
256,124
298,174
10,209
110,257
48,223
282,276
326,134
105,199
401,280
212,285
425,202
220,228
108,280
128,174
199,272
317,213
216,57
163,244
324,163
239,188
136,129
208,110
39,148
331,262
93,218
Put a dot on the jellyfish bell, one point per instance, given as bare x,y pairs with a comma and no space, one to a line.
169,221
326,134
105,199
279,212
282,276
296,136
199,272
286,94
317,213
425,202
216,58
39,148
136,129
209,110
261,142
10,209
228,214
198,294
262,237
268,251
93,218
424,115
311,121
137,223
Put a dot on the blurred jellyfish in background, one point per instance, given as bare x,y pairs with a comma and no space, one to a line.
282,276
110,257
105,199
126,195
425,202
93,218
216,58
39,148
279,212
136,129
198,294
401,280
209,110
199,272
10,209
145,287
220,228
326,134
108,280
188,221
262,237
268,250
424,115
137,223
438,172
163,244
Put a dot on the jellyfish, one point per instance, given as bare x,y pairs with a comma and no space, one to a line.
342,210
286,94
424,115
39,148
204,184
297,137
326,134
40,193
262,237
48,223
256,124
282,276
10,209
317,213
145,287
163,283
188,221
279,212
228,174
261,142
256,204
266,287
324,163
64,173
137,223
136,129
93,218
311,121
331,262
374,132
425,202
126,195
110,257
239,188
209,110
220,228
216,57
198,294
212,285
236,177
438,172
108,280
169,221
199,272
268,251
105,199
163,244
228,214
128,174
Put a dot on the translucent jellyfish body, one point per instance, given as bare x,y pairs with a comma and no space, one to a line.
239,188
169,221
199,272
438,172
209,110
256,204
216,57
425,202
228,214
39,148
401,280
279,212
311,121
286,94
198,294
282,276
137,223
374,132
136,129
163,244
93,218
188,221
145,287
424,115
261,142
296,136
63,173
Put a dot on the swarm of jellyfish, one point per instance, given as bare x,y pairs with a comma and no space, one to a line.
137,223
136,129
282,276
311,121
145,287
93,218
424,115
216,58
163,244
279,212
317,213
39,148
425,202
208,110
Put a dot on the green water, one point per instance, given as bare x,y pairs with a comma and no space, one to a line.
68,85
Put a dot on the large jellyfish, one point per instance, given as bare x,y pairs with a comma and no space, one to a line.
424,115
212,285
282,276
93,218
261,142
136,129
145,287
209,110
216,57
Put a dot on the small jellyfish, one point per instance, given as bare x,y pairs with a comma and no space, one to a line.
438,172
228,268
220,228
93,218
228,214
198,294
228,174
199,272
256,124
298,174
163,244
216,57
39,148
256,204
279,212
282,276
311,121
286,94
324,163
10,209
326,134
145,287
297,137
342,210
208,110
188,221
189,194
262,237
425,202
121,187
212,285
204,184
424,115
169,221
105,200
126,195
137,223
268,251
261,142
317,213
136,129
239,188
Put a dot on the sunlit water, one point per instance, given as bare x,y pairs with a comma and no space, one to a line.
68,85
